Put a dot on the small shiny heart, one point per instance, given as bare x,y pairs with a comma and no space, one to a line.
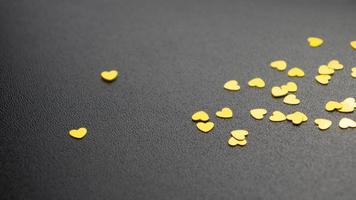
205,127
323,79
347,123
332,105
109,75
200,116
239,134
335,64
325,70
79,133
353,72
280,65
232,85
297,117
278,91
353,44
348,105
224,113
290,87
296,72
257,82
323,124
258,113
277,116
315,41
234,142
291,99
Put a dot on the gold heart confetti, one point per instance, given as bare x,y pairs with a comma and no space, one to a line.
232,85
200,116
291,99
297,117
348,105
296,72
315,41
277,116
78,133
280,65
353,44
205,127
353,72
323,79
332,105
290,87
325,70
278,91
258,113
109,75
347,123
257,82
335,64
224,113
323,124
238,137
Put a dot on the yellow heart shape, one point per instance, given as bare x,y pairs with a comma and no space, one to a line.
297,117
348,105
347,123
315,41
335,64
277,116
234,142
258,113
290,87
296,72
109,75
291,99
325,70
332,105
232,85
278,91
200,116
323,79
323,124
224,113
353,72
353,44
239,134
205,127
257,82
78,134
279,64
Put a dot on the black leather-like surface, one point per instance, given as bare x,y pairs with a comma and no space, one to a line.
174,57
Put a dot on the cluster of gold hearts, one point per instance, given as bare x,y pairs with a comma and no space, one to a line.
326,71
277,116
348,105
238,137
284,90
203,123
281,65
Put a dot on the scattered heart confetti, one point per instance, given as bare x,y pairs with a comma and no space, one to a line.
280,65
200,116
315,41
297,117
257,82
353,44
238,137
205,127
353,72
290,87
323,124
278,91
258,113
232,85
335,64
347,123
323,79
277,116
325,70
332,105
78,133
224,113
109,75
291,99
296,72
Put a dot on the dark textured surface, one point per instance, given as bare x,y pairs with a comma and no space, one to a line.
174,57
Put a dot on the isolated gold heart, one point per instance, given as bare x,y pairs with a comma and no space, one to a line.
205,126
78,133
224,113
315,41
232,85
200,116
279,65
323,124
109,75
296,72
323,79
347,123
278,91
277,116
325,70
291,99
257,82
258,113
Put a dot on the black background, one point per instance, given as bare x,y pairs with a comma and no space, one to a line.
174,57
